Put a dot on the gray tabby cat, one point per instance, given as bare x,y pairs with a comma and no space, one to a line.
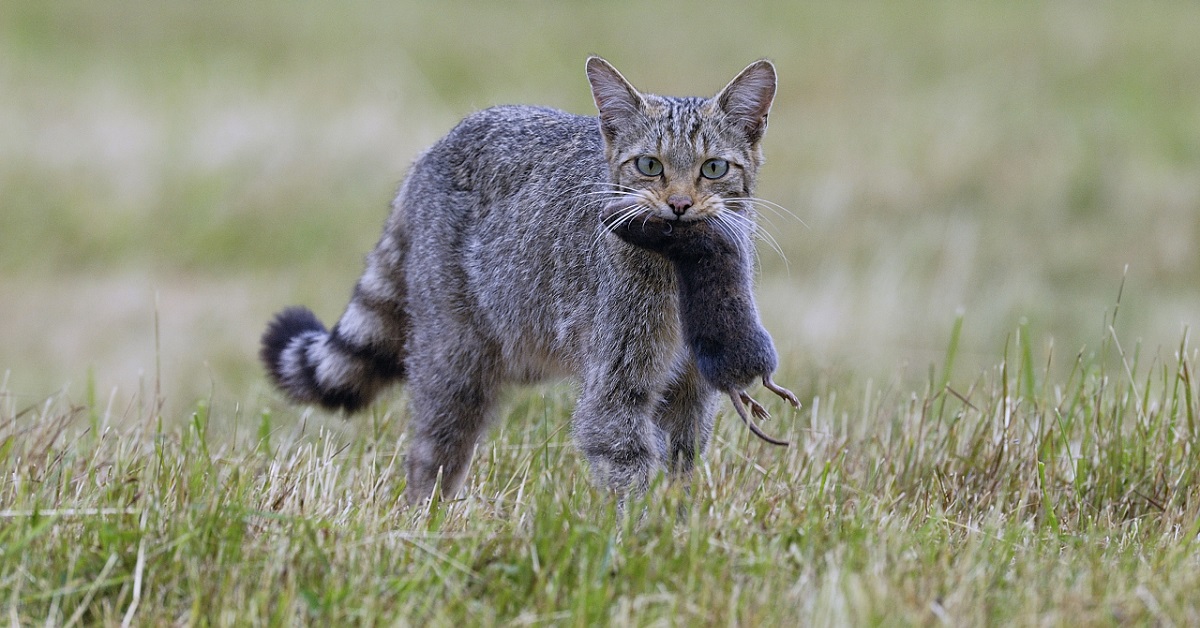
495,268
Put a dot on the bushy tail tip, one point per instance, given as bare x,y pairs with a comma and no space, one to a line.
286,326
293,347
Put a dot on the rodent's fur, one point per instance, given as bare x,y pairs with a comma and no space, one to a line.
713,265
494,268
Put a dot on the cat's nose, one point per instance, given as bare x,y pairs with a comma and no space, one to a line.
679,203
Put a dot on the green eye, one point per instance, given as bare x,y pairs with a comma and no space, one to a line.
649,166
714,168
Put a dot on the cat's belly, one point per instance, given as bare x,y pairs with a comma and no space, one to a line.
536,354
532,369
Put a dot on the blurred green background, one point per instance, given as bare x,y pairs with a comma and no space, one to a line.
204,164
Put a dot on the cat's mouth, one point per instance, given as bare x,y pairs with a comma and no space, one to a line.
633,209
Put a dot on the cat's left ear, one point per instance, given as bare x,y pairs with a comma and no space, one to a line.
747,98
617,100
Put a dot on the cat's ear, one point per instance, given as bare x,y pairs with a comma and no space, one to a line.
616,99
747,98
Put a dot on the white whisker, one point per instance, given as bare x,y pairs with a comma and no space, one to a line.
776,208
758,231
728,223
627,214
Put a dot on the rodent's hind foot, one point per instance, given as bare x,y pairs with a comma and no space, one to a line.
755,407
788,395
736,396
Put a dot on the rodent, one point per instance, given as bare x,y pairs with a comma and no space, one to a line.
716,303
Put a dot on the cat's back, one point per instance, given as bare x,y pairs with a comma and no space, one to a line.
508,150
525,126
502,177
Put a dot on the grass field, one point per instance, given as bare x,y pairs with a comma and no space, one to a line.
985,312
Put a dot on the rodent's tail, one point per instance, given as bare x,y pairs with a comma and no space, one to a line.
343,368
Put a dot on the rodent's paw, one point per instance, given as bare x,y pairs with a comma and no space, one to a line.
788,395
756,408
739,399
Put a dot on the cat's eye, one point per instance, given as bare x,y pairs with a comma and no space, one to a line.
714,168
648,166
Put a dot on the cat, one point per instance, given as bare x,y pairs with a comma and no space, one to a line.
713,263
494,268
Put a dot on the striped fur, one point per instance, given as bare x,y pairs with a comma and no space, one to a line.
344,368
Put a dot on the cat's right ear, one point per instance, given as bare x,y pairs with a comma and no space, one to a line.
616,99
747,98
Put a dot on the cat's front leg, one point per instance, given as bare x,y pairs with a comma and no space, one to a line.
613,427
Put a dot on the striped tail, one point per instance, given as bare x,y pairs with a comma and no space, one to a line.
346,367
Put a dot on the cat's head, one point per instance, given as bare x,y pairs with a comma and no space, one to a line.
683,158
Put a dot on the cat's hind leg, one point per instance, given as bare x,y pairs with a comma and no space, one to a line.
686,414
453,385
